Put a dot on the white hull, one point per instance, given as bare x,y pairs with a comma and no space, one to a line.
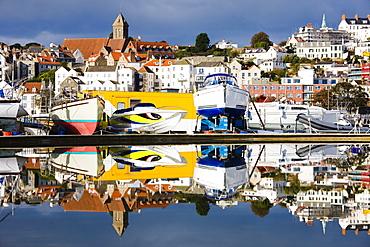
78,160
277,116
10,110
220,96
146,118
320,125
148,156
79,116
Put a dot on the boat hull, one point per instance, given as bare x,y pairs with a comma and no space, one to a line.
78,117
149,119
222,100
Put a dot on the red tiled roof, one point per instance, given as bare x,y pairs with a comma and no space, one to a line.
164,62
87,47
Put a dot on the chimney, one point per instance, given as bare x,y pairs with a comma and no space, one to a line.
356,232
132,57
356,17
344,231
309,25
368,17
343,17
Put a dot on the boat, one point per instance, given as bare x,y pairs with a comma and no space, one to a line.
331,122
71,162
220,95
221,170
147,157
145,117
279,116
78,116
10,108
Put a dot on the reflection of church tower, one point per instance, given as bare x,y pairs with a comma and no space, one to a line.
120,28
120,220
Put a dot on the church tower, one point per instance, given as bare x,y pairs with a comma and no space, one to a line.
120,28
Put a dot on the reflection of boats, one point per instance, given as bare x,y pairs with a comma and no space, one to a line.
220,95
221,171
146,117
330,122
78,160
78,116
280,116
147,157
10,163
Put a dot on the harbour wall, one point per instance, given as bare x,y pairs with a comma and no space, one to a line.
22,141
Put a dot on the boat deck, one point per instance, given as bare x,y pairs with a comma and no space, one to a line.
23,141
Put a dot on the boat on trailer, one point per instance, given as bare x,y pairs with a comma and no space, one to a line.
220,95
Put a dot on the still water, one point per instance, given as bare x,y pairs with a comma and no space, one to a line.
220,195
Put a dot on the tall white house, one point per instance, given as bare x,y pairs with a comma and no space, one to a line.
358,28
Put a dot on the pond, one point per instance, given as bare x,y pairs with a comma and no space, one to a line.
194,195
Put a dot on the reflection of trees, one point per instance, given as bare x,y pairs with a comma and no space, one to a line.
261,208
201,202
352,160
202,206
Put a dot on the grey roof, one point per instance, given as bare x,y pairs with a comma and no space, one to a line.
101,69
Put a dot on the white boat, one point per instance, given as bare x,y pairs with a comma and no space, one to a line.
331,122
146,117
10,107
147,157
220,95
279,116
74,161
78,116
220,171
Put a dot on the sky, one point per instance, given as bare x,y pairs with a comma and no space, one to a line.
177,22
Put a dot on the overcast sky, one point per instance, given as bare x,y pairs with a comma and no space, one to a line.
177,22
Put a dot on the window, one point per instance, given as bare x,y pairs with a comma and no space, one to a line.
289,87
273,87
264,87
297,87
298,95
281,87
318,88
256,88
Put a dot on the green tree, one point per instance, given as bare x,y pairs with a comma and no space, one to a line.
16,46
202,206
28,45
323,98
350,96
260,39
202,42
261,208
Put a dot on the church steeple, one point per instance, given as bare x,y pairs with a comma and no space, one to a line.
323,23
120,28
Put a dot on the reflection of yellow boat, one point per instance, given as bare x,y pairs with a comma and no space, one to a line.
117,171
147,157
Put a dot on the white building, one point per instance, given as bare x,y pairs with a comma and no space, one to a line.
61,74
182,78
321,50
226,44
358,28
247,75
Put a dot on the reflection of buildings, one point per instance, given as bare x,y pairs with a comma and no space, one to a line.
266,189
